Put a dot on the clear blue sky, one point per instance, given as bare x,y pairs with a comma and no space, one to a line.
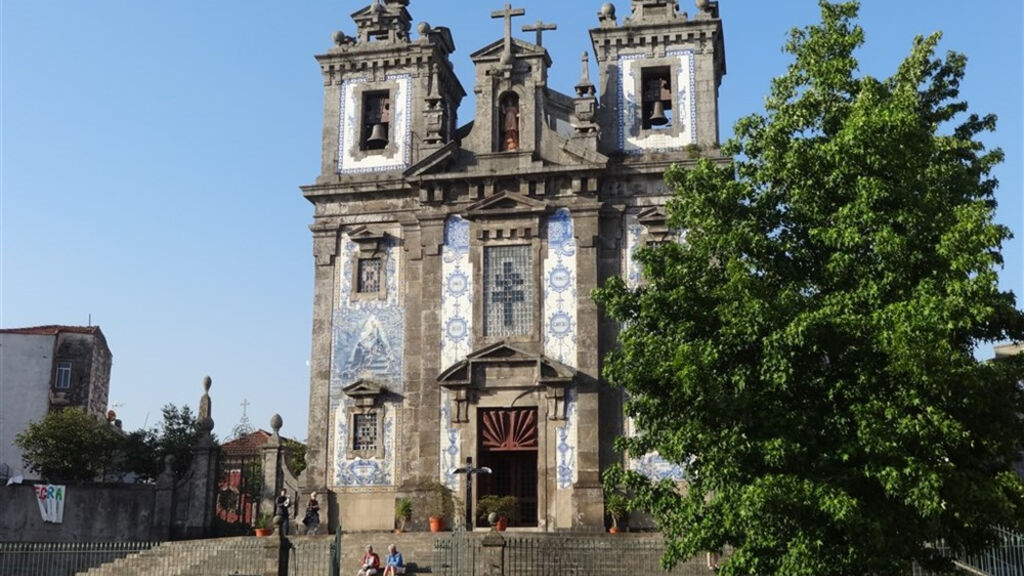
152,153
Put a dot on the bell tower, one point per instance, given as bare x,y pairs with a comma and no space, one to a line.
389,99
660,72
511,82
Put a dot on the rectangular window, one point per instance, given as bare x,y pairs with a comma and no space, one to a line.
64,375
508,291
368,276
656,84
364,436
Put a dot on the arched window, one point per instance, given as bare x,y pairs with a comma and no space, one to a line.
509,133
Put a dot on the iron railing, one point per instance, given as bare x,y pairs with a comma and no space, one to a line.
62,558
575,556
228,556
455,554
1006,559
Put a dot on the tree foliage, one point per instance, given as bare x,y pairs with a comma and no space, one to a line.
69,446
296,455
142,452
808,352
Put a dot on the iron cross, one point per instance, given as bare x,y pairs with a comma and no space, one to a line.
507,14
539,28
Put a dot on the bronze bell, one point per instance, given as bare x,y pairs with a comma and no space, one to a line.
378,137
658,114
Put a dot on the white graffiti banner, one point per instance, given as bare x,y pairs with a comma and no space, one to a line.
51,502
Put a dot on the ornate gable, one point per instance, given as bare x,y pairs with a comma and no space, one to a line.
370,241
501,366
365,392
656,222
505,204
520,49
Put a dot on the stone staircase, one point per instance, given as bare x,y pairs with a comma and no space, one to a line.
247,556
311,556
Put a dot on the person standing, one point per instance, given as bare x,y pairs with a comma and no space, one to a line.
312,518
283,505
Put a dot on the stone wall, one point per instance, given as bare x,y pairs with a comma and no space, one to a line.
92,513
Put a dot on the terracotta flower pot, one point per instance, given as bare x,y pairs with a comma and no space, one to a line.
501,524
436,523
613,530
264,532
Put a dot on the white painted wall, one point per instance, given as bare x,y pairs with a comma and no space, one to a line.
26,361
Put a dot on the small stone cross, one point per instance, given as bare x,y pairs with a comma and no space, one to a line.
539,28
508,13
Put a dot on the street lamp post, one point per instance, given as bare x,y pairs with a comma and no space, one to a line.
469,471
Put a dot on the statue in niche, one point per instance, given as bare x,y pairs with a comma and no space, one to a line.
509,123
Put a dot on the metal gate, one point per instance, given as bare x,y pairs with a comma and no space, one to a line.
239,489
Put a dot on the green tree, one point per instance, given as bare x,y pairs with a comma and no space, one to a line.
69,446
177,436
808,352
296,455
142,451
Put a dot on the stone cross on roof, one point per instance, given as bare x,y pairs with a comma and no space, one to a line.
507,14
539,28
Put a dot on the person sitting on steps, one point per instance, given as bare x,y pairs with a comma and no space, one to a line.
370,563
394,564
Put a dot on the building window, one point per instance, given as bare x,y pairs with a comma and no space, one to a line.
364,435
368,275
376,120
64,375
508,291
656,84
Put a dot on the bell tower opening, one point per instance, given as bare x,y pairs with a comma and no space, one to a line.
376,120
508,446
657,98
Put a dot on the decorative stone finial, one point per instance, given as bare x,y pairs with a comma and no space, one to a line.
423,28
204,420
275,423
606,16
703,5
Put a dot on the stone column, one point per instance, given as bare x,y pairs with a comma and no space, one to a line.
273,475
587,495
163,504
325,248
428,417
494,554
199,488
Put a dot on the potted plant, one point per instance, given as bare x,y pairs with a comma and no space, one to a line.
438,505
403,512
617,506
503,507
265,525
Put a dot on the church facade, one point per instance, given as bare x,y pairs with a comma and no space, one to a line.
454,262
